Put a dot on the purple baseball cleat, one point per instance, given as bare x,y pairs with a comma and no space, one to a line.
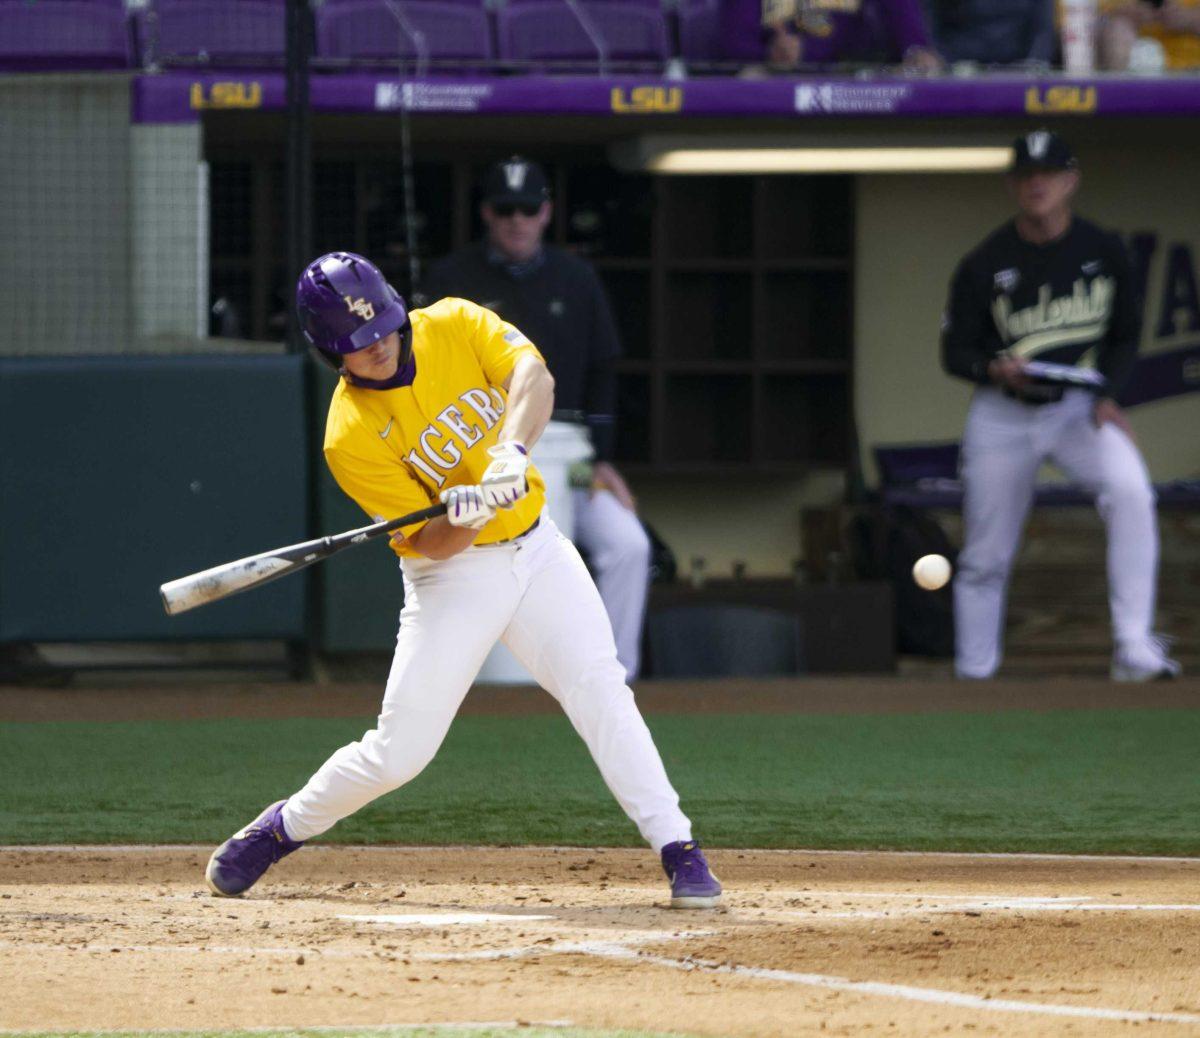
692,883
241,860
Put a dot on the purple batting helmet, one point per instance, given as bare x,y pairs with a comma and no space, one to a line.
346,304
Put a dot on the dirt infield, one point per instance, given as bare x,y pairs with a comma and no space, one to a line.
809,943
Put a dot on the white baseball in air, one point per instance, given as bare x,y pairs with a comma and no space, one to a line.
931,571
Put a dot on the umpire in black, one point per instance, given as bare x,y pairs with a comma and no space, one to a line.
557,300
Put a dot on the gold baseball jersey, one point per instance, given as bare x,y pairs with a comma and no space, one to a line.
395,450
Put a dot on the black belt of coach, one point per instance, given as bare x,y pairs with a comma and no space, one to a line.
508,540
1053,395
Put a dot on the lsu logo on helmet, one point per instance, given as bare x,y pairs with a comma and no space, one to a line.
361,307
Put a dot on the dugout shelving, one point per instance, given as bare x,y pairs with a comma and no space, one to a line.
733,295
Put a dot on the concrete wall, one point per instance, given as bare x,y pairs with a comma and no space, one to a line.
103,247
753,521
64,189
911,231
169,236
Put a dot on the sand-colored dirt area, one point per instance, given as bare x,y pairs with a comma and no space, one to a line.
808,943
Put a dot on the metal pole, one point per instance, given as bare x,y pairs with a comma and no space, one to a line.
299,156
299,251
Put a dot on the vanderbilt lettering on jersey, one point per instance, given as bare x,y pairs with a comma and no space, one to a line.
1072,301
1081,317
394,450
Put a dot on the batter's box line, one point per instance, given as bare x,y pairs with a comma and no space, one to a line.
530,951
936,996
249,950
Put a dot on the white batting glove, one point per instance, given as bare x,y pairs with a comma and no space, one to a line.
504,482
466,506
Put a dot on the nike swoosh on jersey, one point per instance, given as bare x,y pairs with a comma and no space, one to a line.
387,429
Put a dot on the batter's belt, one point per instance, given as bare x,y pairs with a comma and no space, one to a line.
509,540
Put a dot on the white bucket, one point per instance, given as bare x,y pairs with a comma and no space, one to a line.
562,445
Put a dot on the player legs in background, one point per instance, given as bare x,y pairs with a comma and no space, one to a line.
999,466
1106,462
619,551
561,633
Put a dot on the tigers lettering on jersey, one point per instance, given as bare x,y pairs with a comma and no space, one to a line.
1056,321
395,450
487,404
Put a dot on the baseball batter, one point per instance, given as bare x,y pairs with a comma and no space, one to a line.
444,403
1056,287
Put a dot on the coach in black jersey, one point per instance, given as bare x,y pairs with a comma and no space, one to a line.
1049,286
557,300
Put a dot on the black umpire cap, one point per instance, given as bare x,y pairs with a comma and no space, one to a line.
516,181
1042,149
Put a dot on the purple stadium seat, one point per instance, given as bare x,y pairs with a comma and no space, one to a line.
439,30
341,3
631,31
550,32
216,31
656,4
63,34
700,30
543,31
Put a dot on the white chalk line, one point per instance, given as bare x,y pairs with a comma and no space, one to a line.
623,951
611,950
526,951
290,951
434,919
902,991
206,849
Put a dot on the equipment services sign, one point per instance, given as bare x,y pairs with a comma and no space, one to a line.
850,98
431,97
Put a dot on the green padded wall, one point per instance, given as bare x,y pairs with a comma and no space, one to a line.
119,473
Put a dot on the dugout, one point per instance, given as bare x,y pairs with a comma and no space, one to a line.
770,322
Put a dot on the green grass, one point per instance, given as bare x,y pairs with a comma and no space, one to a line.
1067,781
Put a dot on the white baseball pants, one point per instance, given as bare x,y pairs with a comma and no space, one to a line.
537,596
1005,443
619,551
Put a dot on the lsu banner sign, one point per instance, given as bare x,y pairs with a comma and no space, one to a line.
1061,100
226,95
647,100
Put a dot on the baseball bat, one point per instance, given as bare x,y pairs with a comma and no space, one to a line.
211,585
